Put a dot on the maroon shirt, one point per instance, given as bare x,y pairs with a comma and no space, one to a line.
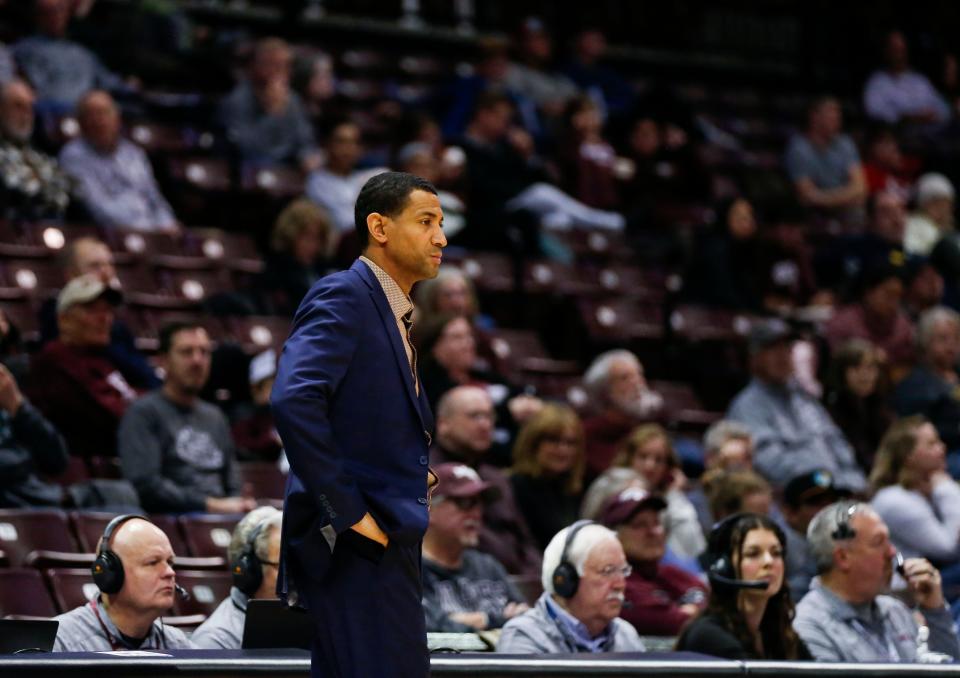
603,434
656,597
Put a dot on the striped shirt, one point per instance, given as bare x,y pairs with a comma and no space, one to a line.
402,307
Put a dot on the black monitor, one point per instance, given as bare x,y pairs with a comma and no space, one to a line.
27,635
271,624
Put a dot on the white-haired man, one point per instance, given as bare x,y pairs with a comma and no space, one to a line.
584,578
934,215
846,617
254,554
616,384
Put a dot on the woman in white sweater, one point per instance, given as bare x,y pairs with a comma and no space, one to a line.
917,499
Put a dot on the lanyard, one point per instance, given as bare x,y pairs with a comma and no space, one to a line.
891,649
117,643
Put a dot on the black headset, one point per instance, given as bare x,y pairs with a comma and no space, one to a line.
720,570
107,568
247,569
844,530
565,578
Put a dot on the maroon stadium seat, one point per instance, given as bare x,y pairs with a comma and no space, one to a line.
262,480
71,587
23,531
22,592
208,535
206,589
89,527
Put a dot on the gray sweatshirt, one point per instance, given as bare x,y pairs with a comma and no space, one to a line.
176,457
921,527
89,628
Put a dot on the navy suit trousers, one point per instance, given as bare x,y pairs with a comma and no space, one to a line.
368,611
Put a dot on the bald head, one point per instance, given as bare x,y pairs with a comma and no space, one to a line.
465,419
137,535
16,111
99,120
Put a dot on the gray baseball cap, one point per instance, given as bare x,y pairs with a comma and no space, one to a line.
87,288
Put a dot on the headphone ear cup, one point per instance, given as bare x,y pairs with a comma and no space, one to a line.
247,573
722,567
107,572
565,580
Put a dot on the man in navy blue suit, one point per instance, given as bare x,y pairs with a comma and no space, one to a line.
356,425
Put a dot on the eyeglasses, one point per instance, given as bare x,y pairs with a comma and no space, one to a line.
613,571
561,440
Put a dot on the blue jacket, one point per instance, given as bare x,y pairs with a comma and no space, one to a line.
354,429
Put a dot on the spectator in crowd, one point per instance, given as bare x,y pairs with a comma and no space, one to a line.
504,176
619,392
722,270
737,490
299,245
464,590
887,169
581,602
254,554
314,80
746,622
587,160
931,388
263,118
824,164
924,287
450,292
662,597
547,474
448,346
137,583
803,497
897,94
534,75
877,317
792,432
425,159
856,398
60,70
254,432
600,491
336,185
846,617
464,427
32,186
727,446
934,216
606,86
81,256
916,497
175,448
648,450
73,380
113,176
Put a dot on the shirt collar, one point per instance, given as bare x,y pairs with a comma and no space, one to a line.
399,301
239,598
842,609
576,630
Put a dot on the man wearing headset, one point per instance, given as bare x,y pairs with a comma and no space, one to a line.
846,617
584,577
254,553
134,571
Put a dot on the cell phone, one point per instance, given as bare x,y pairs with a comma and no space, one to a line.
898,563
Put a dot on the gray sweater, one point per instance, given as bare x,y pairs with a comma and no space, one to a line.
176,457
928,528
223,630
884,631
793,434
90,629
537,632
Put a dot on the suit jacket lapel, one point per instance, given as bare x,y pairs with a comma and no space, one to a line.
390,326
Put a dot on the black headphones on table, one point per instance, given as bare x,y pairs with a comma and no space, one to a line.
565,577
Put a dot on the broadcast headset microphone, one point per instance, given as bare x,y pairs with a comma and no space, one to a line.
182,592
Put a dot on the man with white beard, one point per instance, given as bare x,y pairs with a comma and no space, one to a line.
584,578
32,186
619,391
463,589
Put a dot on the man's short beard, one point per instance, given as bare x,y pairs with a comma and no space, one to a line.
644,405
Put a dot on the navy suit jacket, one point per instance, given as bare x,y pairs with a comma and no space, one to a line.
354,429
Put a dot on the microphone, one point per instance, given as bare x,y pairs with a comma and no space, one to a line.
182,592
757,584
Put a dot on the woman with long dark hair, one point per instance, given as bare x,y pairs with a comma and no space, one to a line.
743,619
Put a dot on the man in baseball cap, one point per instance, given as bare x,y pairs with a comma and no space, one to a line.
661,597
803,497
463,590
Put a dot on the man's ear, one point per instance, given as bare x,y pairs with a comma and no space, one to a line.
376,227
